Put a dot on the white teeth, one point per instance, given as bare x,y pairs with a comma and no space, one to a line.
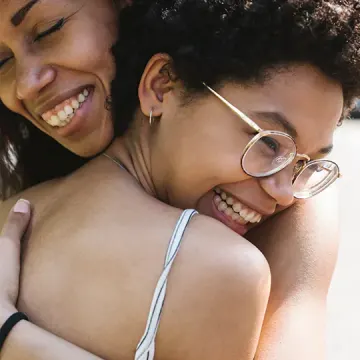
68,110
81,98
237,208
62,115
222,206
256,218
75,104
237,211
244,213
217,200
54,121
235,216
251,216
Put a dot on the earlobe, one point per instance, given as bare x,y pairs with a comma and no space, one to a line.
155,83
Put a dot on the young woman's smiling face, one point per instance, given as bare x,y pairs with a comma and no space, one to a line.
56,68
199,146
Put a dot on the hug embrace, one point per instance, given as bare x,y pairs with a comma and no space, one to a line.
173,158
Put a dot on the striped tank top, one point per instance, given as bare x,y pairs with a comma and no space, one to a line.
146,348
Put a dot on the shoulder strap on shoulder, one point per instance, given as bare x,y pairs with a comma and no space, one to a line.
146,348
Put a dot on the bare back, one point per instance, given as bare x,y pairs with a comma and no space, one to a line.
94,256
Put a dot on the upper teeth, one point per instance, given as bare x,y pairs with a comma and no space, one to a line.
62,114
235,209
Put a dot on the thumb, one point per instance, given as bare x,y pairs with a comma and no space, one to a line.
17,221
10,244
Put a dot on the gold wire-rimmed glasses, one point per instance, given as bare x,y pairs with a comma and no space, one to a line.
271,151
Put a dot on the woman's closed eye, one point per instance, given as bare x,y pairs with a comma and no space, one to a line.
47,32
4,61
56,27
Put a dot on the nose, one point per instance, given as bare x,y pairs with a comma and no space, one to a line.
32,77
279,187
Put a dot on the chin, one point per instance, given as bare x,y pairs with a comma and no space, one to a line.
90,147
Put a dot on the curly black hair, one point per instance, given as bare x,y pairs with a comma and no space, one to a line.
214,41
208,40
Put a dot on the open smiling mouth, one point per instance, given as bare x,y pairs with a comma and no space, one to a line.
234,209
62,114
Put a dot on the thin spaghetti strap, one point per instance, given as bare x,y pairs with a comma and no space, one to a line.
146,348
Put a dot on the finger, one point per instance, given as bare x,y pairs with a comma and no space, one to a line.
17,221
12,233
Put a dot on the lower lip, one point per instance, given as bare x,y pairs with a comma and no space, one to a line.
226,220
79,120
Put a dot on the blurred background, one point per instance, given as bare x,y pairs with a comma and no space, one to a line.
344,297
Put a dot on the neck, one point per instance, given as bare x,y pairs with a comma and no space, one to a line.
133,152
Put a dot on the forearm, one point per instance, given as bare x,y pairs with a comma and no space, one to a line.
294,334
301,247
27,341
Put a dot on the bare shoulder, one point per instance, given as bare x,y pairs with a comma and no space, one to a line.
38,195
217,295
224,249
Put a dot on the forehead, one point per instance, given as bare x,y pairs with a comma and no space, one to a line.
311,102
8,8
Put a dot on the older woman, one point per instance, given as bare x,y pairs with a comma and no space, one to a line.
209,98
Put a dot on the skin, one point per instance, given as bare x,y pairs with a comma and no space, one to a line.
153,182
37,72
228,264
300,281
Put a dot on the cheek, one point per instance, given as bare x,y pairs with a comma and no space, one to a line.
89,52
200,163
212,153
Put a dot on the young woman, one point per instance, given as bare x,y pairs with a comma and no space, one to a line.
202,101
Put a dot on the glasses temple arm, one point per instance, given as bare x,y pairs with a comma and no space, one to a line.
235,110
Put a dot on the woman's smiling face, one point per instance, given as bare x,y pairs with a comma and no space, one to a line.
56,68
199,146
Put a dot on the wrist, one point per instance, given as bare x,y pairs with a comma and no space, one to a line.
5,312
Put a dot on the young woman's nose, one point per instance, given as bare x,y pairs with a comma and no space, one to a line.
32,77
279,187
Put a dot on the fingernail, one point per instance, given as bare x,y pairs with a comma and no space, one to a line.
22,207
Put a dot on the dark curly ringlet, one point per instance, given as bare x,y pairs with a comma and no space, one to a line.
240,41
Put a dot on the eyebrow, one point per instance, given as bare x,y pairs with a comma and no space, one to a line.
326,150
278,119
20,15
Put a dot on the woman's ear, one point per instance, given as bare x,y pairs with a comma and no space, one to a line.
157,80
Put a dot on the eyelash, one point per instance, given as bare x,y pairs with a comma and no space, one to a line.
56,27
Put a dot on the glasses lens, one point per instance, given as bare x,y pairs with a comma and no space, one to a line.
314,178
270,153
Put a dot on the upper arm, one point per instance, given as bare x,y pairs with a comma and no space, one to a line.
301,246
